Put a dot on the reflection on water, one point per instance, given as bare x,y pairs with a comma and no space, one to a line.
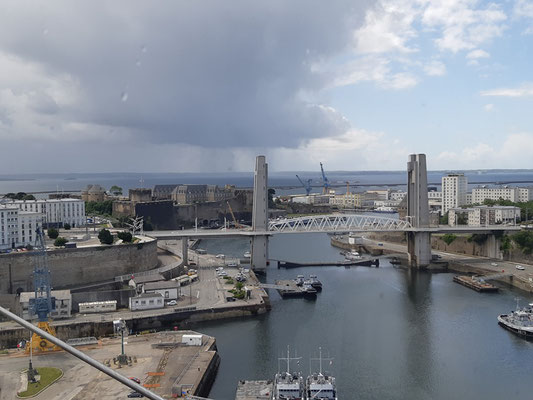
393,333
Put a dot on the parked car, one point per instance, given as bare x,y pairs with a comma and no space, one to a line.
520,267
222,273
232,264
230,298
170,303
220,256
135,394
494,264
136,380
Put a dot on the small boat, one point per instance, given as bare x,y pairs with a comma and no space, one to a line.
353,256
315,282
308,289
299,280
247,254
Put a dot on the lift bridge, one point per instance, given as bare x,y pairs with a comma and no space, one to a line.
416,225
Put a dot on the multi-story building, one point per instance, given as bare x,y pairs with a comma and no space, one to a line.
313,199
482,193
17,228
348,200
525,194
188,194
484,215
398,196
163,192
514,194
63,304
55,212
454,187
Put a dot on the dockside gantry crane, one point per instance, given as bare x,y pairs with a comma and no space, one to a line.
43,303
325,181
307,186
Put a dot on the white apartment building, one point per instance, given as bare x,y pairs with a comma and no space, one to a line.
485,215
56,212
514,194
525,194
454,187
17,228
398,196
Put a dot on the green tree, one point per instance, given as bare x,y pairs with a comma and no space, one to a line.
99,208
66,227
478,238
28,197
271,193
116,190
125,236
448,238
239,285
53,233
60,241
105,237
524,241
444,219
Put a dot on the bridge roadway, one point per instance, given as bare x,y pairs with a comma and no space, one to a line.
217,234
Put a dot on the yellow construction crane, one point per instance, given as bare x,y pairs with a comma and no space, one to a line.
237,225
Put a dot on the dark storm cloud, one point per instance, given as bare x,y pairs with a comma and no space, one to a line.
208,73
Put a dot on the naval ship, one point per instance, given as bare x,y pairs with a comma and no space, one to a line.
320,386
287,385
519,321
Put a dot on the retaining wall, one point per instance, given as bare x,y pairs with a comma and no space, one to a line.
77,266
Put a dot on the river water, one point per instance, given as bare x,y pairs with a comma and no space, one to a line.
392,333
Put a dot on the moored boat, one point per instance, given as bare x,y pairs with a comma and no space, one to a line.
519,321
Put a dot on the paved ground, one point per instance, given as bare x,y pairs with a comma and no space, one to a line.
82,382
491,265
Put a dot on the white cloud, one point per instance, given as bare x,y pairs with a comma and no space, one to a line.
488,107
524,90
509,155
478,53
435,68
523,8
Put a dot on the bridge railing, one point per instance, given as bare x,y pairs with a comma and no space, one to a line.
339,222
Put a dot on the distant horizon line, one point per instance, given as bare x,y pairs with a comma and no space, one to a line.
483,170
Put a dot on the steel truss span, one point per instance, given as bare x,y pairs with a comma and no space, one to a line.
339,223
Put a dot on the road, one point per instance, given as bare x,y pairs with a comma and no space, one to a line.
491,265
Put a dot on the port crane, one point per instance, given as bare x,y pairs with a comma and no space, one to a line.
307,185
325,180
43,303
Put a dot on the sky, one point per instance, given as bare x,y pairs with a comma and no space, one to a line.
205,86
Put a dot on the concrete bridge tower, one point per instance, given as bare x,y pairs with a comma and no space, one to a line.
259,244
418,243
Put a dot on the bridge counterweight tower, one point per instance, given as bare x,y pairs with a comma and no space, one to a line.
418,243
259,244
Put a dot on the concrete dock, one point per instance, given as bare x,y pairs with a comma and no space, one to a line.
289,288
254,390
160,361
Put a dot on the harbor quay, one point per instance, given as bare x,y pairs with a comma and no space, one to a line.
167,363
204,300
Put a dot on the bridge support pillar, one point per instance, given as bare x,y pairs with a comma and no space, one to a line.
419,242
419,248
493,247
185,250
259,244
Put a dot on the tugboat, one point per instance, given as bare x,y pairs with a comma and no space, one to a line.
320,386
519,321
315,282
287,385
